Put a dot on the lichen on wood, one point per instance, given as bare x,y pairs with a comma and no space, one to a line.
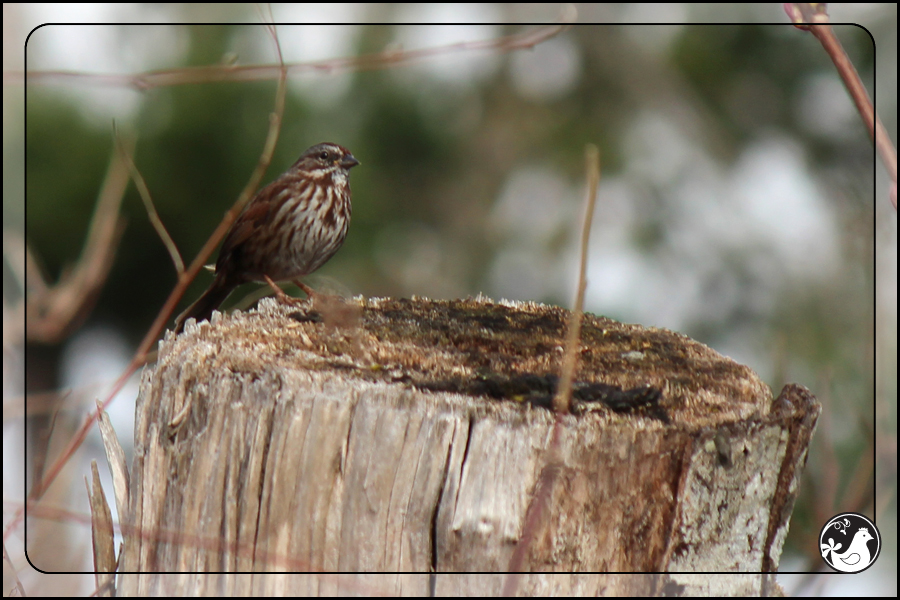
503,350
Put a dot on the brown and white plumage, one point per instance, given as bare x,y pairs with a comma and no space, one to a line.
292,227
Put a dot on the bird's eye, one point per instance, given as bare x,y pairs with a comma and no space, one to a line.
324,156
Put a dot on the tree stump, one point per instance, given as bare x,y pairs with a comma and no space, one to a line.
414,436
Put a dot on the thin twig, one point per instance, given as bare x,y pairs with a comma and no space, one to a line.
543,493
563,399
826,36
226,72
813,17
537,507
144,193
13,572
246,194
52,312
177,535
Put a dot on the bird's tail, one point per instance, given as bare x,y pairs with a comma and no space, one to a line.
205,305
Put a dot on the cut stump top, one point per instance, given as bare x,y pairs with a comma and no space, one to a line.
501,351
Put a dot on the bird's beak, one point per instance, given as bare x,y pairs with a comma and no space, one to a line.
349,161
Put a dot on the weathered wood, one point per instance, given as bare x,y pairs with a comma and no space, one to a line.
409,436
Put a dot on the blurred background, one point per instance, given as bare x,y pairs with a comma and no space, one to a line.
740,202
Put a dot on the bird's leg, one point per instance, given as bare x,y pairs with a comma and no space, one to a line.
306,289
279,293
